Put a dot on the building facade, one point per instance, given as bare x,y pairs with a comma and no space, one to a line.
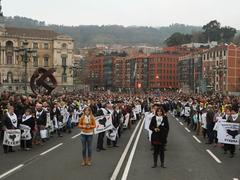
52,51
221,66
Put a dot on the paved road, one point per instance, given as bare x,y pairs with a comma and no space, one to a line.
186,159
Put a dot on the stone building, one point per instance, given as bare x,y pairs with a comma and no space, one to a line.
53,50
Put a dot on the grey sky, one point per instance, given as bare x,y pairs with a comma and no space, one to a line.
127,12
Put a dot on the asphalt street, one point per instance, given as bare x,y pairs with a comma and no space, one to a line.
187,158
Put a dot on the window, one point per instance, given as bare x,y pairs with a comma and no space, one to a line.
64,61
64,46
35,45
64,78
35,61
45,61
9,59
46,46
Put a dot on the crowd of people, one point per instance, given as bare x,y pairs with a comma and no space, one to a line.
55,115
204,113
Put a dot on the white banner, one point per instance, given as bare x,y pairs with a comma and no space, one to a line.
125,125
26,132
112,134
12,137
103,123
228,133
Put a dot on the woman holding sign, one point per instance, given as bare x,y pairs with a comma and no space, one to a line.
87,124
159,127
27,125
10,122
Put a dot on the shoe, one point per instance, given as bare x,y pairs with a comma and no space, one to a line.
116,146
162,166
155,165
60,135
98,150
27,149
84,163
103,149
89,163
232,155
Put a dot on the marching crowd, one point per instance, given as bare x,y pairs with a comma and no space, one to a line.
38,118
203,114
41,117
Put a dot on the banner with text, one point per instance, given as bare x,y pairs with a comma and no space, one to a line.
103,123
26,132
12,137
228,133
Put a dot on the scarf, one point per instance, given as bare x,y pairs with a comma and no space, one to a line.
13,119
24,117
159,120
38,114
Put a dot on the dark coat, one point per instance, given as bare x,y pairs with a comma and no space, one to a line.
7,123
42,119
161,136
29,122
116,117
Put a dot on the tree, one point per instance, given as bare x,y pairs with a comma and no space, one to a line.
228,33
178,39
212,31
236,39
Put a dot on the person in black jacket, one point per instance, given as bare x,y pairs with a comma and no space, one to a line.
56,117
27,120
9,122
116,116
41,121
160,128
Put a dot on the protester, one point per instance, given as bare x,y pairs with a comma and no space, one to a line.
29,122
9,122
159,127
87,124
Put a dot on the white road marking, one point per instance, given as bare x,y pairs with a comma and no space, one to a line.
127,168
213,156
177,119
181,123
120,162
187,129
76,136
197,139
45,152
235,179
11,171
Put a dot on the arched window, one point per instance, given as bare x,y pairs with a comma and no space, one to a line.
64,46
9,77
9,52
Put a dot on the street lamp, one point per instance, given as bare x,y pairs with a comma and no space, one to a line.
25,53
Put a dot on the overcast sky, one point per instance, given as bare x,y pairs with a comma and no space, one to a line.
126,12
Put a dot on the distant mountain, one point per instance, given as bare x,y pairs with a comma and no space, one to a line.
89,35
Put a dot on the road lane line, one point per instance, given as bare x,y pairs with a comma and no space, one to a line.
213,156
197,139
187,129
235,179
54,147
181,123
127,168
11,171
76,136
177,119
124,154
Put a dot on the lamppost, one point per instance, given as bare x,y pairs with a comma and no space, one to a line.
25,53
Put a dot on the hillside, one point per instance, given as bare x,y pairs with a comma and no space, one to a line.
88,35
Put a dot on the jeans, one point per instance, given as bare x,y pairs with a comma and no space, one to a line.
86,145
